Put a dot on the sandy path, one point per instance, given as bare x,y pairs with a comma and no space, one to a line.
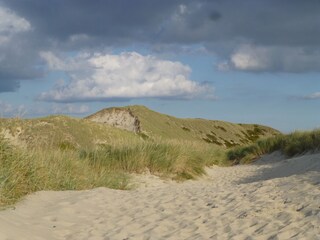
271,199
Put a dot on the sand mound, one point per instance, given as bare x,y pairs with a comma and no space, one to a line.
271,199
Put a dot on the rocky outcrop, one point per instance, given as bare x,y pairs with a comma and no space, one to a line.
117,117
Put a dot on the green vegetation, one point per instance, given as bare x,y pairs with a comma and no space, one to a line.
60,132
291,145
166,159
161,126
184,128
211,138
73,154
25,171
63,153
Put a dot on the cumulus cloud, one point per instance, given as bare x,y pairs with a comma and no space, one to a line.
101,77
281,36
275,59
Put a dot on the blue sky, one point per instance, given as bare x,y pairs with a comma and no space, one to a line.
250,62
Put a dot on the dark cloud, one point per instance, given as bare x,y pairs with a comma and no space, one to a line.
223,27
274,22
214,15
108,19
18,62
8,86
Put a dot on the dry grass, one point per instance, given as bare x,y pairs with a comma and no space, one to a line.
291,145
62,153
24,171
156,125
178,160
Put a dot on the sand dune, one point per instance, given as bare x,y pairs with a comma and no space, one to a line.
271,199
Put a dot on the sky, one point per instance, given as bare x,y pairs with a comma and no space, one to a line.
253,61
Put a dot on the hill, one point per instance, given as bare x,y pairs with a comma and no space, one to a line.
60,131
65,153
151,124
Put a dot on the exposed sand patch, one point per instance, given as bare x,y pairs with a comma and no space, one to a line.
117,117
271,199
13,136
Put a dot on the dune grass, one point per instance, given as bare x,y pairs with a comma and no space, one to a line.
26,171
225,134
177,160
290,144
60,131
23,171
64,153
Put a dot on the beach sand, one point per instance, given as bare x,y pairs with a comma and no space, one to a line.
270,199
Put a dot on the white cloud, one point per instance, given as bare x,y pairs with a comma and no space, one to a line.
99,77
9,110
79,37
70,64
274,59
249,58
315,95
182,9
69,109
5,107
54,63
10,24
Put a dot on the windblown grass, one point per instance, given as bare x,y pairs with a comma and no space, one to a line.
63,153
291,145
23,171
168,159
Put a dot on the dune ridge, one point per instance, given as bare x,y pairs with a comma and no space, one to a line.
150,124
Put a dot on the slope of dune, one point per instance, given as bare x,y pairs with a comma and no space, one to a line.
60,131
274,198
152,124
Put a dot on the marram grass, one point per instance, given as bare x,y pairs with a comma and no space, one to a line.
23,171
179,160
291,144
